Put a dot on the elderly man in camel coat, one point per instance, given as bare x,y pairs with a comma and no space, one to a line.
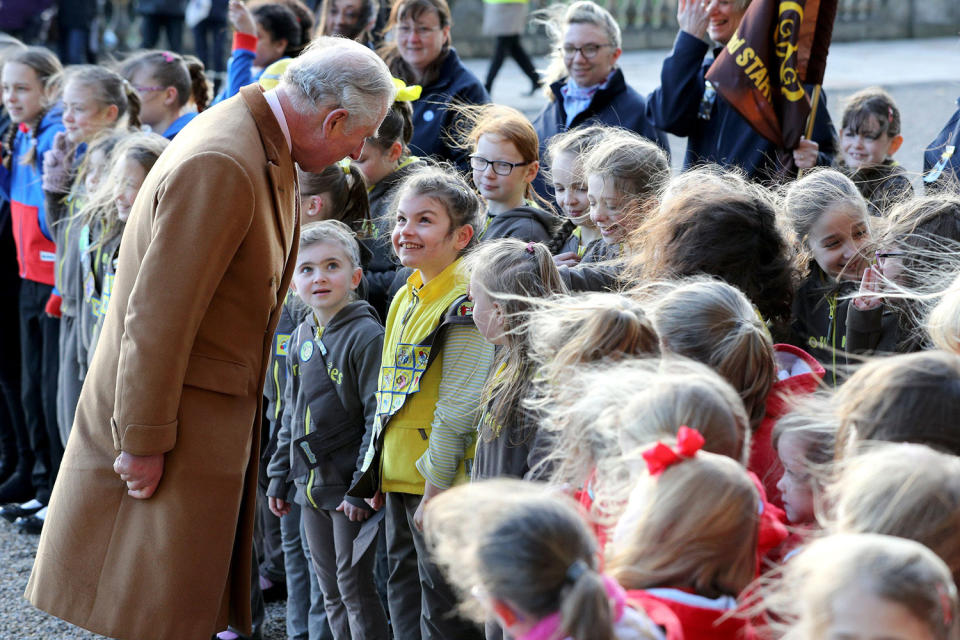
150,525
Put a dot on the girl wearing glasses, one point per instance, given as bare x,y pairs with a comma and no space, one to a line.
915,258
505,162
421,53
166,82
585,86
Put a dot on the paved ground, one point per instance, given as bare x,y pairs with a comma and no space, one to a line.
922,75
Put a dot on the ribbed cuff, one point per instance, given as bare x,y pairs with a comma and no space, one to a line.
246,41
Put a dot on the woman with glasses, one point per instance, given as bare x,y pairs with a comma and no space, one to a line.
585,84
421,53
688,106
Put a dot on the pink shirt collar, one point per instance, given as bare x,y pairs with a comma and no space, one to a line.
274,101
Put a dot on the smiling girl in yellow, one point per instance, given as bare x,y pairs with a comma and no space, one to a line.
432,374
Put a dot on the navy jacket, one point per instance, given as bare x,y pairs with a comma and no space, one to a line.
433,120
618,105
725,138
934,150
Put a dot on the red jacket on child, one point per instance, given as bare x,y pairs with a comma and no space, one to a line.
693,617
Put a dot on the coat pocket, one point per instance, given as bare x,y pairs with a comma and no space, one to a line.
221,376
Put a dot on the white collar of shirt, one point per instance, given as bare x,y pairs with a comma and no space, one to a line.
274,101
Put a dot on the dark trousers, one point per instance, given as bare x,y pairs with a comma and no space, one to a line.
74,45
510,45
210,42
151,25
350,595
14,440
422,603
39,357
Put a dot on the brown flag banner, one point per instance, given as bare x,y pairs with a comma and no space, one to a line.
779,46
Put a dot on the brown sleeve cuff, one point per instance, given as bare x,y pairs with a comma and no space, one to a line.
144,440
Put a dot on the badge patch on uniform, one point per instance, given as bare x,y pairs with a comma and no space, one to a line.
306,351
88,287
283,341
465,308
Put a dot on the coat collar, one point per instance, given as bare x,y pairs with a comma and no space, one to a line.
616,85
280,167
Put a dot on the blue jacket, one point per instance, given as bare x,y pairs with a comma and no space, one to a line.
931,155
725,138
177,125
21,184
617,105
433,121
240,66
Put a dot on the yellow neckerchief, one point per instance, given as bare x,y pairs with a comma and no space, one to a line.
404,162
581,247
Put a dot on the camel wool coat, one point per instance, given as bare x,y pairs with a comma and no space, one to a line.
204,263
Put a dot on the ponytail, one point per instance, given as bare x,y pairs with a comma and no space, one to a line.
585,612
559,238
133,106
349,202
7,145
199,86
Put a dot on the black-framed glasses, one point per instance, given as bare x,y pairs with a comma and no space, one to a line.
500,167
588,51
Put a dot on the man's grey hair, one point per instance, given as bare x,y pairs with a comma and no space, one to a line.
340,73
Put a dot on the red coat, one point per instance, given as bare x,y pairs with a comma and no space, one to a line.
688,621
807,374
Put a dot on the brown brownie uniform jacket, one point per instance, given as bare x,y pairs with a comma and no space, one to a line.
205,261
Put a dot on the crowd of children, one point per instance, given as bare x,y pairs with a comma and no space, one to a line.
657,405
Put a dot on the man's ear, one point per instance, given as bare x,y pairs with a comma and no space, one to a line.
335,120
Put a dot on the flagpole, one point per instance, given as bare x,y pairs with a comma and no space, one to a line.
814,103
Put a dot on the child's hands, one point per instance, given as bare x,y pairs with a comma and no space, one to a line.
241,18
868,297
429,493
693,17
278,506
806,154
566,259
376,502
141,473
353,513
58,165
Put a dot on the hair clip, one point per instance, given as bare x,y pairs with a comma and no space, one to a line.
167,56
889,113
660,456
530,247
405,92
345,165
574,571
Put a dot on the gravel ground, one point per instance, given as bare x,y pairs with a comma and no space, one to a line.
20,621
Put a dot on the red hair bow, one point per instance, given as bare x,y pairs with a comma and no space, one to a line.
661,456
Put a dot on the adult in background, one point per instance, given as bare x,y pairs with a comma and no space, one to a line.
421,53
686,106
506,20
586,85
941,165
149,530
352,19
167,15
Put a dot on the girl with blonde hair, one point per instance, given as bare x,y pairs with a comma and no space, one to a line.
863,586
714,323
905,490
506,278
687,540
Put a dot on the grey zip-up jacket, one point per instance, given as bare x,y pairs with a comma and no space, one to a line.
328,408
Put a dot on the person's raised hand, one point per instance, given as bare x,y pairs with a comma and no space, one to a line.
141,473
566,259
58,165
806,154
241,18
353,513
278,506
868,298
693,17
